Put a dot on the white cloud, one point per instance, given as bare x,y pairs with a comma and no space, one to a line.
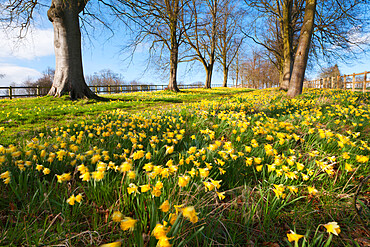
16,74
37,43
359,37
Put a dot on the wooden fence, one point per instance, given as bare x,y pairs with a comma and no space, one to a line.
18,92
354,82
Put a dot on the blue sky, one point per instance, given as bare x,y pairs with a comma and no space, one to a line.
27,58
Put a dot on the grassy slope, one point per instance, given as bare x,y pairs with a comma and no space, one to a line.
317,129
22,117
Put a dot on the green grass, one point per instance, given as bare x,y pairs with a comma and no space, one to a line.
28,115
262,151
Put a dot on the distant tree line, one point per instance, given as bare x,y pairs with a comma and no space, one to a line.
210,33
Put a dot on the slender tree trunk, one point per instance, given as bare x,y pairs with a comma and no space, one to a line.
237,70
69,76
300,62
226,73
287,39
213,45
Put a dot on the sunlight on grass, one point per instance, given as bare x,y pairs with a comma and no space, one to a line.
237,168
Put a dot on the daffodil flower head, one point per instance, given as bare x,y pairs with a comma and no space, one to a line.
292,236
128,223
189,213
165,207
332,227
117,216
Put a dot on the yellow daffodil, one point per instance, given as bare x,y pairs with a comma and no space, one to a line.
332,227
221,195
128,223
292,236
78,198
183,181
117,216
114,244
64,177
145,188
71,200
312,190
190,214
165,206
46,171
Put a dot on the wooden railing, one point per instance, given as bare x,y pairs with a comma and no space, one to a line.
354,82
18,92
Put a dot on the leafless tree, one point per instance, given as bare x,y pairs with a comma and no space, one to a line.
105,78
276,27
332,35
331,71
203,35
301,56
65,16
256,71
43,83
229,38
158,23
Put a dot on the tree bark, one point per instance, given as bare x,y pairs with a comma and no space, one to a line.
69,76
174,49
209,70
226,74
172,85
300,61
281,76
287,44
237,70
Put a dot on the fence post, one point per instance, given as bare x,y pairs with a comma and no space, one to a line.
345,82
338,82
353,82
364,83
162,87
38,90
141,88
10,92
96,89
332,82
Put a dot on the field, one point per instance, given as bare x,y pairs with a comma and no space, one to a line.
220,167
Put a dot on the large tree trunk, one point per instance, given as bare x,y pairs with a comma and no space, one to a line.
172,85
287,44
281,77
174,49
209,70
300,62
69,76
226,73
